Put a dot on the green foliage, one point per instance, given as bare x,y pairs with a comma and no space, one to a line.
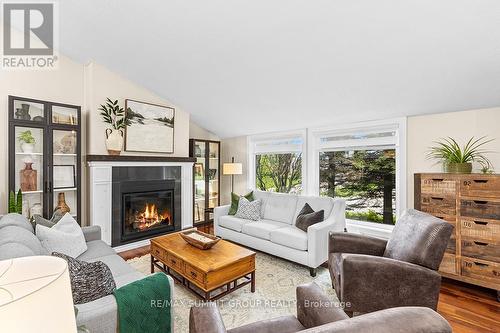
114,114
365,178
19,202
16,202
278,172
26,137
449,151
370,216
12,202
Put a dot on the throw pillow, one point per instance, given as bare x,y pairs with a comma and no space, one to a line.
235,199
89,280
39,219
65,236
249,210
307,217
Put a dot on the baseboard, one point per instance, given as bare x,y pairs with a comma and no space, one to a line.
131,246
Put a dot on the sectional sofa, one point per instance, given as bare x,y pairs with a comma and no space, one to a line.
275,233
17,239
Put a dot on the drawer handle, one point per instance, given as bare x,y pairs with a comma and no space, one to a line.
481,222
193,274
440,217
481,181
437,198
480,264
438,179
480,243
173,261
480,202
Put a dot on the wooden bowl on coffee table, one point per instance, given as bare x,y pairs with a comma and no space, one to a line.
199,239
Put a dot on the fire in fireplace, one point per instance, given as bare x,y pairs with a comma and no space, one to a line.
145,211
150,216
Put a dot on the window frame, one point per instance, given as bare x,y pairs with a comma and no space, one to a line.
253,140
397,142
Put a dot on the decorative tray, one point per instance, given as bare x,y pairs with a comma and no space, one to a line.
199,239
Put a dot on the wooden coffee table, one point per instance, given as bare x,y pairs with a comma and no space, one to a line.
220,267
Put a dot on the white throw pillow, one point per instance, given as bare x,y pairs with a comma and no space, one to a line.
65,237
249,210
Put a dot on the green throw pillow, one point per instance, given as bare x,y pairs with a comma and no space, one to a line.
235,199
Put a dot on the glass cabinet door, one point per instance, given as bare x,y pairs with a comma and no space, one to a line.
28,111
64,115
213,177
199,151
28,168
64,171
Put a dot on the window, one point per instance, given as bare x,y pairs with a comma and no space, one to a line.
363,165
277,162
366,179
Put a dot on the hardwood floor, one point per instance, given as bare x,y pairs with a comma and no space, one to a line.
469,308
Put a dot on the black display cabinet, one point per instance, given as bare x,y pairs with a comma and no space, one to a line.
206,179
45,155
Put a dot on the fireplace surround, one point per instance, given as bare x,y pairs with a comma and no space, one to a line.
106,171
146,202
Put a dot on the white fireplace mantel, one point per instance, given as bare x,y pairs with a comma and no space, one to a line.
100,176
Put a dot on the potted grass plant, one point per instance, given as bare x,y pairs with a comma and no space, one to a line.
458,159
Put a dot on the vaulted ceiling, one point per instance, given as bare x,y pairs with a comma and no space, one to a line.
251,66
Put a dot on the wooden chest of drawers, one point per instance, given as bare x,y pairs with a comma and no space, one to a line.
472,204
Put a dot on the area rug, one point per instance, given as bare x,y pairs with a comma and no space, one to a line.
276,280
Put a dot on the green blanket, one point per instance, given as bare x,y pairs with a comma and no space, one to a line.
145,305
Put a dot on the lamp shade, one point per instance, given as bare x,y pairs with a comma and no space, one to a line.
35,296
232,169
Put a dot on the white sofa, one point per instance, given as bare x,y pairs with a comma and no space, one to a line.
276,233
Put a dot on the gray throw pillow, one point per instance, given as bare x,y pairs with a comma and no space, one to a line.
39,219
66,236
307,217
249,210
89,280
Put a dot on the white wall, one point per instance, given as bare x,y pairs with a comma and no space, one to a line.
101,83
198,132
423,130
64,85
237,148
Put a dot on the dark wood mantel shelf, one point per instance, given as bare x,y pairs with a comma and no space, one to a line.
138,158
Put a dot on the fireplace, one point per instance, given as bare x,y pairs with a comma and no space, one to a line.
145,211
147,206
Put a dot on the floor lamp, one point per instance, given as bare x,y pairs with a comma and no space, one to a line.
232,169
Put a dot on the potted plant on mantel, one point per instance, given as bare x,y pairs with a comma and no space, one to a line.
114,115
458,159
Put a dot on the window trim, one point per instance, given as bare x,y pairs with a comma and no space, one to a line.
253,139
314,148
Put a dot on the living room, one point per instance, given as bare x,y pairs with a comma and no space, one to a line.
283,166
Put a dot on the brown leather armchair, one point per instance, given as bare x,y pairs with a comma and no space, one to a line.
317,313
371,274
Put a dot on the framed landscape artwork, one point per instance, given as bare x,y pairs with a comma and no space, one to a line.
151,127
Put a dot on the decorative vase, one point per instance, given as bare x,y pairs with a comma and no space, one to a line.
23,113
114,141
62,206
28,178
27,147
458,167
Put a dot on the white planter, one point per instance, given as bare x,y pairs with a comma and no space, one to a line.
27,147
114,141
